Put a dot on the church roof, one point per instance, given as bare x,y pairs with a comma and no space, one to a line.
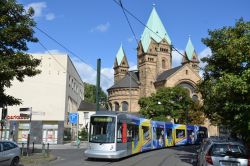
130,80
190,53
120,54
86,106
159,32
164,75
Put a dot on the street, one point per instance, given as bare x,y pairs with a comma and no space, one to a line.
175,156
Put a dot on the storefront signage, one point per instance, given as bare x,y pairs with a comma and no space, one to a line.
16,117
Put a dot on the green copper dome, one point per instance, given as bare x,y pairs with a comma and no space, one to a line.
120,54
154,23
189,49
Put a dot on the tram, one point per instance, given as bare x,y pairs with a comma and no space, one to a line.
114,135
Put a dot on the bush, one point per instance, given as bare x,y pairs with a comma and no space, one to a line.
83,135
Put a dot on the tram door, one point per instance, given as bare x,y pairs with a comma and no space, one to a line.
121,135
146,135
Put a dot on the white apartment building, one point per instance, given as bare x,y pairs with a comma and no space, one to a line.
51,95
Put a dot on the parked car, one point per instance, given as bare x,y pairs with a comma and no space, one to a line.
222,152
9,153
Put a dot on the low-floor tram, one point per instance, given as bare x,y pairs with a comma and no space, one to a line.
114,135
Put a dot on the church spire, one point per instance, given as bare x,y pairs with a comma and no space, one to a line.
190,55
159,32
121,65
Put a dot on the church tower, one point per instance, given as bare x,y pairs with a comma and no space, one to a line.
191,57
153,53
120,65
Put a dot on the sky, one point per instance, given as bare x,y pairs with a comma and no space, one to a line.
93,29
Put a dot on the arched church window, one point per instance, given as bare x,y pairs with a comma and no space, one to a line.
188,86
194,97
110,107
116,106
163,63
124,106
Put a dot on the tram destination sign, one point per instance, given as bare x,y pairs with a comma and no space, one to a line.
102,119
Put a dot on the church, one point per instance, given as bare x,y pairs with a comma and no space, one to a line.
154,64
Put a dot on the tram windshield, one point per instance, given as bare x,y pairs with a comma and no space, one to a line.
102,129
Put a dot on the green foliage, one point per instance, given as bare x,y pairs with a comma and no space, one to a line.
83,135
167,103
90,95
226,85
15,31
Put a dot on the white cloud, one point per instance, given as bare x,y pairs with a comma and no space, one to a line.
130,39
176,58
132,66
204,53
54,51
38,8
101,27
88,74
50,16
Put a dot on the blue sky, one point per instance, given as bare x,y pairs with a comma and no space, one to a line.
95,28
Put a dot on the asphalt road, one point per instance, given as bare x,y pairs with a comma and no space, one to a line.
175,156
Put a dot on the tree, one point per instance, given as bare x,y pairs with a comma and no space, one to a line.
226,85
167,103
90,95
16,29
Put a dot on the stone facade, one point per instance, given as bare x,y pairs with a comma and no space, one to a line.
154,63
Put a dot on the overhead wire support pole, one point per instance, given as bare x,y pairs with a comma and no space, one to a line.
98,83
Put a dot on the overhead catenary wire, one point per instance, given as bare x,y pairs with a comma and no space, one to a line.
67,49
136,18
130,26
59,63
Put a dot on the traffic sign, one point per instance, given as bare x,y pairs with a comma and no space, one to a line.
73,118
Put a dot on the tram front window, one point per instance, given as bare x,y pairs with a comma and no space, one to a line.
102,129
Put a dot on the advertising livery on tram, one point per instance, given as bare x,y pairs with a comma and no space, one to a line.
115,135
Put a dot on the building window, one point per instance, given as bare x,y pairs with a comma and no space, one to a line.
110,107
186,72
163,63
116,106
124,106
86,115
195,98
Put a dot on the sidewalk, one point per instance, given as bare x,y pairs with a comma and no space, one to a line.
71,145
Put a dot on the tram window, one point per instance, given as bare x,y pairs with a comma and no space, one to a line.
119,132
102,129
180,133
132,132
159,133
146,134
169,133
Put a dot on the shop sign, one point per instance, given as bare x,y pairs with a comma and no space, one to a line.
16,117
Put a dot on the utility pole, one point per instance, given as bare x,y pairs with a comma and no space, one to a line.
98,83
28,139
130,91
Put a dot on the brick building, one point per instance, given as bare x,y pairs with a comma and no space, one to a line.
154,63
